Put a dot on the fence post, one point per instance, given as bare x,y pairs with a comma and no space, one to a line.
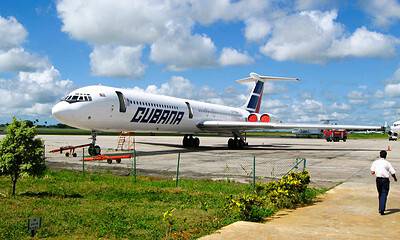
254,170
134,166
83,160
177,170
304,164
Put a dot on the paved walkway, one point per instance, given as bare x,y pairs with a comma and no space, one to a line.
348,211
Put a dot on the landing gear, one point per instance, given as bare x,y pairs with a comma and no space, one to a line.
94,149
190,142
237,142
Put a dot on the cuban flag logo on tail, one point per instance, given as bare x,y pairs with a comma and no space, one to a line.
254,102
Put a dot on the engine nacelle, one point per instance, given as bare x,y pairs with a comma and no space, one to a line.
265,118
253,117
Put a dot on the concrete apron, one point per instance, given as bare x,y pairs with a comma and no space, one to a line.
349,211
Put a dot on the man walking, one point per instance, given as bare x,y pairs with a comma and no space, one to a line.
382,169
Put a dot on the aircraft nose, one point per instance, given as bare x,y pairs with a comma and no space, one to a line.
61,112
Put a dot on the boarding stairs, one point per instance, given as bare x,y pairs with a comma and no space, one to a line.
126,141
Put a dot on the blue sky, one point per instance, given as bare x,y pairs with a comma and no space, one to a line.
345,53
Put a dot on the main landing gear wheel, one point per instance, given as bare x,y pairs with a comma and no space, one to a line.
236,143
190,142
94,150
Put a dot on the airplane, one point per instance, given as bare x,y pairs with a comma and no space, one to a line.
312,132
103,108
394,131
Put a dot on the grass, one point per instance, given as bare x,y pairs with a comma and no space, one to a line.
368,136
91,206
101,205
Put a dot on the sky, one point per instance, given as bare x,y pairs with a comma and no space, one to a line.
346,54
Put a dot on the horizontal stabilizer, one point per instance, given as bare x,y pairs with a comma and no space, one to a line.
256,77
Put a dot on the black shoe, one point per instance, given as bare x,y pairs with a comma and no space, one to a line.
382,213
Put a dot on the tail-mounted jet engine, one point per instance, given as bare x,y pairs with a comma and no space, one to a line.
255,117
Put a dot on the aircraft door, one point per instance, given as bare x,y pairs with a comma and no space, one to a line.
190,110
121,99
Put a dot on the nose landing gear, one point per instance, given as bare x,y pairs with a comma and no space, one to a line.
94,149
190,142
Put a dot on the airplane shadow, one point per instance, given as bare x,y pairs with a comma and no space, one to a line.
275,147
50,194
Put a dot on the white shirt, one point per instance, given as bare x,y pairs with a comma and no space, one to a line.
382,168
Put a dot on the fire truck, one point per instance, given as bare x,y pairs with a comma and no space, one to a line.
335,135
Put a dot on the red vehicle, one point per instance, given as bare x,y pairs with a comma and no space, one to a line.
335,135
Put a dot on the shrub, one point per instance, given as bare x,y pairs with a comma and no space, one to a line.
287,192
21,154
249,207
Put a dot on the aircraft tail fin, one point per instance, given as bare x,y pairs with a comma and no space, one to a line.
253,102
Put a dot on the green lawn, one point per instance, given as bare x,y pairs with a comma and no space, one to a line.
368,136
76,206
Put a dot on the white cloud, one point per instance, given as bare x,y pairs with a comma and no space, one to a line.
120,61
35,85
179,50
392,88
177,86
32,92
384,12
315,37
312,105
379,94
12,33
17,59
118,22
230,56
209,11
257,29
384,104
364,43
313,4
341,106
357,97
13,57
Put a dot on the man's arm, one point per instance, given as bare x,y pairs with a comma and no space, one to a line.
373,168
392,171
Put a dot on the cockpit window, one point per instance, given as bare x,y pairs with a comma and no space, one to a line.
77,97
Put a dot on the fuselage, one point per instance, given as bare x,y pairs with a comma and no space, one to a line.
103,108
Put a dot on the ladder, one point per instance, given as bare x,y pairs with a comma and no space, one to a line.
126,141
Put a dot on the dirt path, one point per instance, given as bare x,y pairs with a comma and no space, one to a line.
348,211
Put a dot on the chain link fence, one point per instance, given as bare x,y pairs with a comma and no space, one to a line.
219,165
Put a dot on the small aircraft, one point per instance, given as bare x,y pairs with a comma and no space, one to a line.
102,108
394,131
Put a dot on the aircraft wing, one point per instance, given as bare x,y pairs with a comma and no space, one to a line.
246,126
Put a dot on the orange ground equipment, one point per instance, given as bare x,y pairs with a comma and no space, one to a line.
70,150
110,157
335,135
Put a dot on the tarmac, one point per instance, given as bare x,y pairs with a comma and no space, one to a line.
347,211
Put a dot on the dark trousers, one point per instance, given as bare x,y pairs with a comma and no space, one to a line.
382,185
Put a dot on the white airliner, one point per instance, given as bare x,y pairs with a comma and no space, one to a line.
101,108
394,131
